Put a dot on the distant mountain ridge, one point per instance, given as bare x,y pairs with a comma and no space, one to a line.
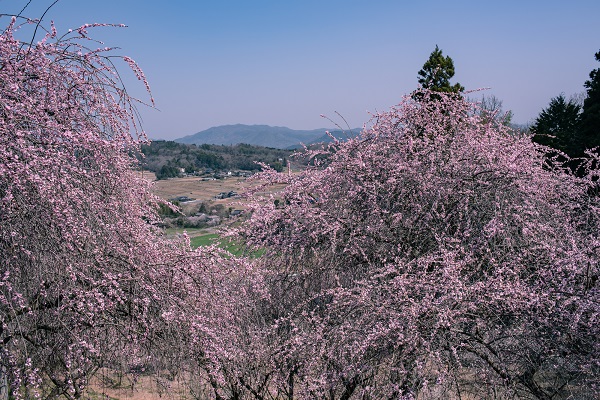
277,137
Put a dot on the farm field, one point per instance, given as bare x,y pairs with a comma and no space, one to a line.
196,188
201,190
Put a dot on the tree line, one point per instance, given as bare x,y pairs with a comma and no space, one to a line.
167,158
572,126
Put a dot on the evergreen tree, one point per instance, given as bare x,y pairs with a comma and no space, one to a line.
437,72
557,126
590,117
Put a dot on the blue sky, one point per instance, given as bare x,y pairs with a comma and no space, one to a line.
287,62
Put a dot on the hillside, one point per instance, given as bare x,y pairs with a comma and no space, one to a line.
167,159
257,135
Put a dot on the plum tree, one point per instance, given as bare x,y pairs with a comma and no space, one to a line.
434,255
85,278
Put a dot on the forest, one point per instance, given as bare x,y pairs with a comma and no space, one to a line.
439,254
167,159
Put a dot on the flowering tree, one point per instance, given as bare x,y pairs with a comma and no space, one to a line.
436,255
85,280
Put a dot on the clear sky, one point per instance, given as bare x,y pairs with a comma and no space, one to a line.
285,62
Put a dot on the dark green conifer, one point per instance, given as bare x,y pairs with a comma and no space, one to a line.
590,117
558,125
437,72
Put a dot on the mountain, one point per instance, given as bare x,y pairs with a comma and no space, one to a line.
258,135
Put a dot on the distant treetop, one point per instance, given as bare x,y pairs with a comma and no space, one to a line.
590,117
437,72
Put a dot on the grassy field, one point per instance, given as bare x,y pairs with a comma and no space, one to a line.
206,237
204,240
212,238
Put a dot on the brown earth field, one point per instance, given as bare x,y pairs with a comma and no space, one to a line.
107,385
196,188
202,190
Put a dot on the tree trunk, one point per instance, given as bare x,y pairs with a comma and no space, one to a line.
3,384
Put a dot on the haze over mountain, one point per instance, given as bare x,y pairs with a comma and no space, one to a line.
259,135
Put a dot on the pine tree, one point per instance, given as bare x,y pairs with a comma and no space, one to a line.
437,72
557,126
590,117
